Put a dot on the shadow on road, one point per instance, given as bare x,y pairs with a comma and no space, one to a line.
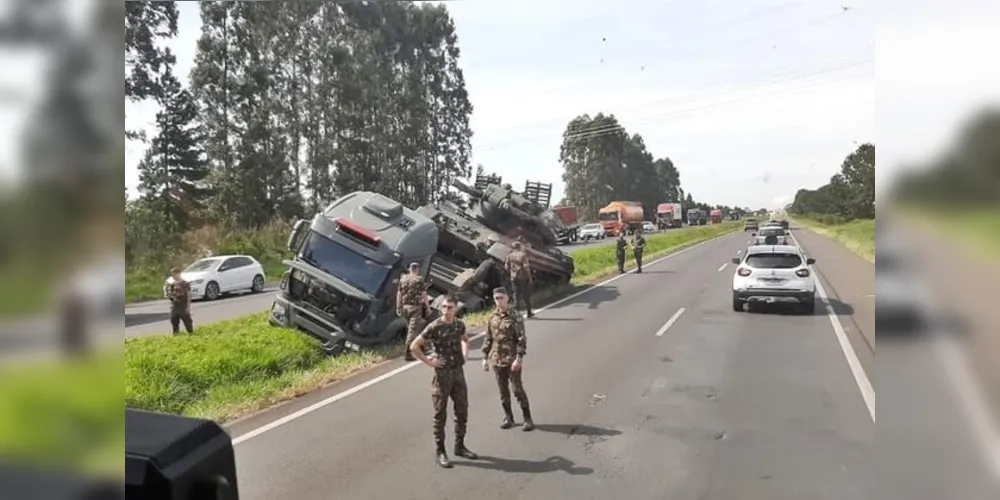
144,318
577,430
551,464
536,318
661,271
593,298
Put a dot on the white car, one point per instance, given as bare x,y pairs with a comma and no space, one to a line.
774,274
648,227
591,232
213,276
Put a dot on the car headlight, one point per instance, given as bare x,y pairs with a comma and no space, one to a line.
197,282
300,276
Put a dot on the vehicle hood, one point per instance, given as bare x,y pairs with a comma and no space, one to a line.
189,277
318,274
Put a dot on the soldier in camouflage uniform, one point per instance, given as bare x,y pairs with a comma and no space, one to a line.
410,305
450,342
179,295
504,349
620,246
519,269
638,246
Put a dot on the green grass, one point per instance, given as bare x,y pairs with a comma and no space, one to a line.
65,415
229,369
857,236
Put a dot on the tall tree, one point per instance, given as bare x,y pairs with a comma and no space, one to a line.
172,173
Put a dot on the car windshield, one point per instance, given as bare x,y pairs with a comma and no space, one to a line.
607,216
201,265
773,261
591,227
344,263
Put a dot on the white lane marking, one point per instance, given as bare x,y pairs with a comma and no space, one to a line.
723,267
972,402
409,366
670,322
860,377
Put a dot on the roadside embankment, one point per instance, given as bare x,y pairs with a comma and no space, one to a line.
232,368
857,235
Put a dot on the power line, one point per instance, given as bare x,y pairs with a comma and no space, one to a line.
672,102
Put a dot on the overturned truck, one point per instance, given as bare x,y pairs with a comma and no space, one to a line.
340,286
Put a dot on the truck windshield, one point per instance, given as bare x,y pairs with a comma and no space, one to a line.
342,262
607,216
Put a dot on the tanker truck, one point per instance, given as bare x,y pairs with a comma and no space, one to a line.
621,217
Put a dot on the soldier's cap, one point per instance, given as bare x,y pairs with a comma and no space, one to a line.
414,265
499,291
516,245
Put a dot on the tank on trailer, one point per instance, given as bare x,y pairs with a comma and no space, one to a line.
474,242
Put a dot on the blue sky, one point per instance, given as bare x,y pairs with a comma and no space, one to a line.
751,99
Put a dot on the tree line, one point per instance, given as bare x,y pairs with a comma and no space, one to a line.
966,175
602,163
849,195
292,104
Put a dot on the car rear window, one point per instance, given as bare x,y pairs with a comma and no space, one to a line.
774,261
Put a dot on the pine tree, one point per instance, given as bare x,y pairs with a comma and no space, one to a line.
172,173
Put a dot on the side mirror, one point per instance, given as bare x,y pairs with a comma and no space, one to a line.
297,231
810,261
736,260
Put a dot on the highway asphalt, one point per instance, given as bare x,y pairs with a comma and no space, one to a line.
646,387
152,318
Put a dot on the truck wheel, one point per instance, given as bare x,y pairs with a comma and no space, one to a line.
334,348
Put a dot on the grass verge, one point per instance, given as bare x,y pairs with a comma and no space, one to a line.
857,236
232,368
65,415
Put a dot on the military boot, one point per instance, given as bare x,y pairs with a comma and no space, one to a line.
529,425
442,457
508,417
462,451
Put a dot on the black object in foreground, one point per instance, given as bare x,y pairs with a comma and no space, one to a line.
168,457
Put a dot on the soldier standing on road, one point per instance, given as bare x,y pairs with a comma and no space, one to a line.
504,349
450,342
519,269
179,295
410,306
638,245
620,247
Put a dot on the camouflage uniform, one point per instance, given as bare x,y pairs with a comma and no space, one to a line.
505,342
638,245
411,308
620,247
179,294
449,381
517,265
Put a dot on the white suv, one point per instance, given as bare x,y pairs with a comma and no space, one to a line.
774,273
591,232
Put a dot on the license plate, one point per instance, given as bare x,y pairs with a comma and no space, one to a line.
772,281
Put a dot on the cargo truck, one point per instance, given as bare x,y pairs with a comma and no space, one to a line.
715,216
621,217
696,217
569,217
669,215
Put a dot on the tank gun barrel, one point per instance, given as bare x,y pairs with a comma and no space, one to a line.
467,189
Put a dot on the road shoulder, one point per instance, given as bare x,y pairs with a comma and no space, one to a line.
849,282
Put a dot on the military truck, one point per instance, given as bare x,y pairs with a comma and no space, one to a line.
341,283
340,286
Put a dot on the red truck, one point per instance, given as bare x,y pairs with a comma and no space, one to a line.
715,216
569,217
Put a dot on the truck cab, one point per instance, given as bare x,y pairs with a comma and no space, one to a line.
340,286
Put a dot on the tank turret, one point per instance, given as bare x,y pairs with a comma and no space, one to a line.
508,212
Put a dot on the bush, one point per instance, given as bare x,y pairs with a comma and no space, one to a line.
227,369
148,268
